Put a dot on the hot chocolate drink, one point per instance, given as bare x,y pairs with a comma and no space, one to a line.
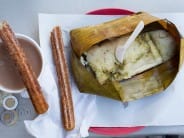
9,77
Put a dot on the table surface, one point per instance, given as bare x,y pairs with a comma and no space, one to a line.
23,16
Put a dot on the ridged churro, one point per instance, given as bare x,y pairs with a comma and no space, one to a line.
17,55
63,79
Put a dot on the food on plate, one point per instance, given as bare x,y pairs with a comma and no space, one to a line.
25,70
63,78
150,63
148,50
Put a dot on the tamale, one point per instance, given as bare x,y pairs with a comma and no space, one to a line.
150,64
148,50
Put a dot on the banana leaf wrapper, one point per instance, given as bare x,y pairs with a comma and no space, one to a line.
149,82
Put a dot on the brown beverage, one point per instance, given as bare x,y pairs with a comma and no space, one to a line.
9,77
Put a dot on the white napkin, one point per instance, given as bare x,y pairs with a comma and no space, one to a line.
49,125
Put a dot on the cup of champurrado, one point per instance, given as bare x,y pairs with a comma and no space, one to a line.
10,80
